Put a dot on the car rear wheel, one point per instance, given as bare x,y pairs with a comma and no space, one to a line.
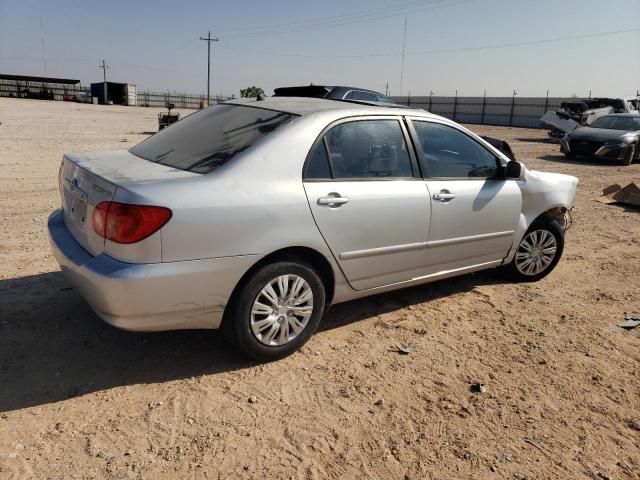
538,252
276,311
570,155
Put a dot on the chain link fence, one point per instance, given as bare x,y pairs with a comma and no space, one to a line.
148,98
502,111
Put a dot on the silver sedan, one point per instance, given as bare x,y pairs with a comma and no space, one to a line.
255,216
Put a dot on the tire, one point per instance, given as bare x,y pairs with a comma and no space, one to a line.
570,155
272,329
631,155
544,232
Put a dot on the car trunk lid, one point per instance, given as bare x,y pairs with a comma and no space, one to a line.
88,179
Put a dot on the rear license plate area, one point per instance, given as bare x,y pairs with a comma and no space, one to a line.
78,211
75,204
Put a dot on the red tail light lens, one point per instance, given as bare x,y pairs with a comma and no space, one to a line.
126,223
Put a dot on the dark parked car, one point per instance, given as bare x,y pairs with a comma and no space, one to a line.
614,136
333,92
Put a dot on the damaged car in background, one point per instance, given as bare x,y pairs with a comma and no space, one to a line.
580,113
613,137
256,216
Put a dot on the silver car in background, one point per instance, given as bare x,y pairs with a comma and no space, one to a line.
255,216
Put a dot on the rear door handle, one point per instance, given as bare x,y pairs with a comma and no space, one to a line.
444,196
332,201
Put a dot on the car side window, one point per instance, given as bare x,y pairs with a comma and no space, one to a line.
449,153
360,95
383,99
368,149
318,165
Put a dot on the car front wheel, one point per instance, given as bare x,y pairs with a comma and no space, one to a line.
276,311
538,252
630,155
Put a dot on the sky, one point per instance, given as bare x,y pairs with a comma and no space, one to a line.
155,44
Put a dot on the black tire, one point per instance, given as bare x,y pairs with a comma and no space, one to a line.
630,155
570,155
237,325
545,224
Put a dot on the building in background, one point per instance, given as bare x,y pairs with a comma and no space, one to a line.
117,93
42,88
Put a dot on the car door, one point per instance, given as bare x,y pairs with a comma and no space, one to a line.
368,201
474,212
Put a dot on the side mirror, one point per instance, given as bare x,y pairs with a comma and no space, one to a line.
513,170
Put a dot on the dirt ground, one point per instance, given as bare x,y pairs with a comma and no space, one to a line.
80,399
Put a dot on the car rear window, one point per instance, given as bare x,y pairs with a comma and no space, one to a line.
210,138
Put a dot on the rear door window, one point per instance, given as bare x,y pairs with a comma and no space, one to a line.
318,166
368,149
209,138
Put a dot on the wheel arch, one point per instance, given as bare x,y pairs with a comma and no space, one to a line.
305,254
552,215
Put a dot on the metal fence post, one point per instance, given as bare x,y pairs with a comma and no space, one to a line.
513,102
455,106
546,102
430,99
484,103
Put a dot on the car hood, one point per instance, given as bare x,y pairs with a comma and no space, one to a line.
596,134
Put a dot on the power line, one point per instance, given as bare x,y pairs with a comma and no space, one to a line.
322,20
448,50
351,21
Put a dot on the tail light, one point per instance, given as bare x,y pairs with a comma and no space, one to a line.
126,223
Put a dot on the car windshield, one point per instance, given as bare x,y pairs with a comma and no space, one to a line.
210,138
617,123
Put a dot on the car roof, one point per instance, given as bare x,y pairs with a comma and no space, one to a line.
307,105
330,88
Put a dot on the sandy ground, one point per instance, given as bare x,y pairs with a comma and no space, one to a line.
79,399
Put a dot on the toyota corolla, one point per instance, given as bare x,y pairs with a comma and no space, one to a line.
255,216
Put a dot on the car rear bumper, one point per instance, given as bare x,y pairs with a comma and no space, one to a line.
148,297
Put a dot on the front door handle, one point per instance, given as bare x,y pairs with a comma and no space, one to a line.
333,200
444,196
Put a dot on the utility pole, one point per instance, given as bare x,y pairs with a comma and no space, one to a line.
104,67
209,40
386,90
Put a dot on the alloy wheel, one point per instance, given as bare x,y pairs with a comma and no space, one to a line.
536,252
281,310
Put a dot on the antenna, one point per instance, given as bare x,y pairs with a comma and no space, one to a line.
404,45
44,59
